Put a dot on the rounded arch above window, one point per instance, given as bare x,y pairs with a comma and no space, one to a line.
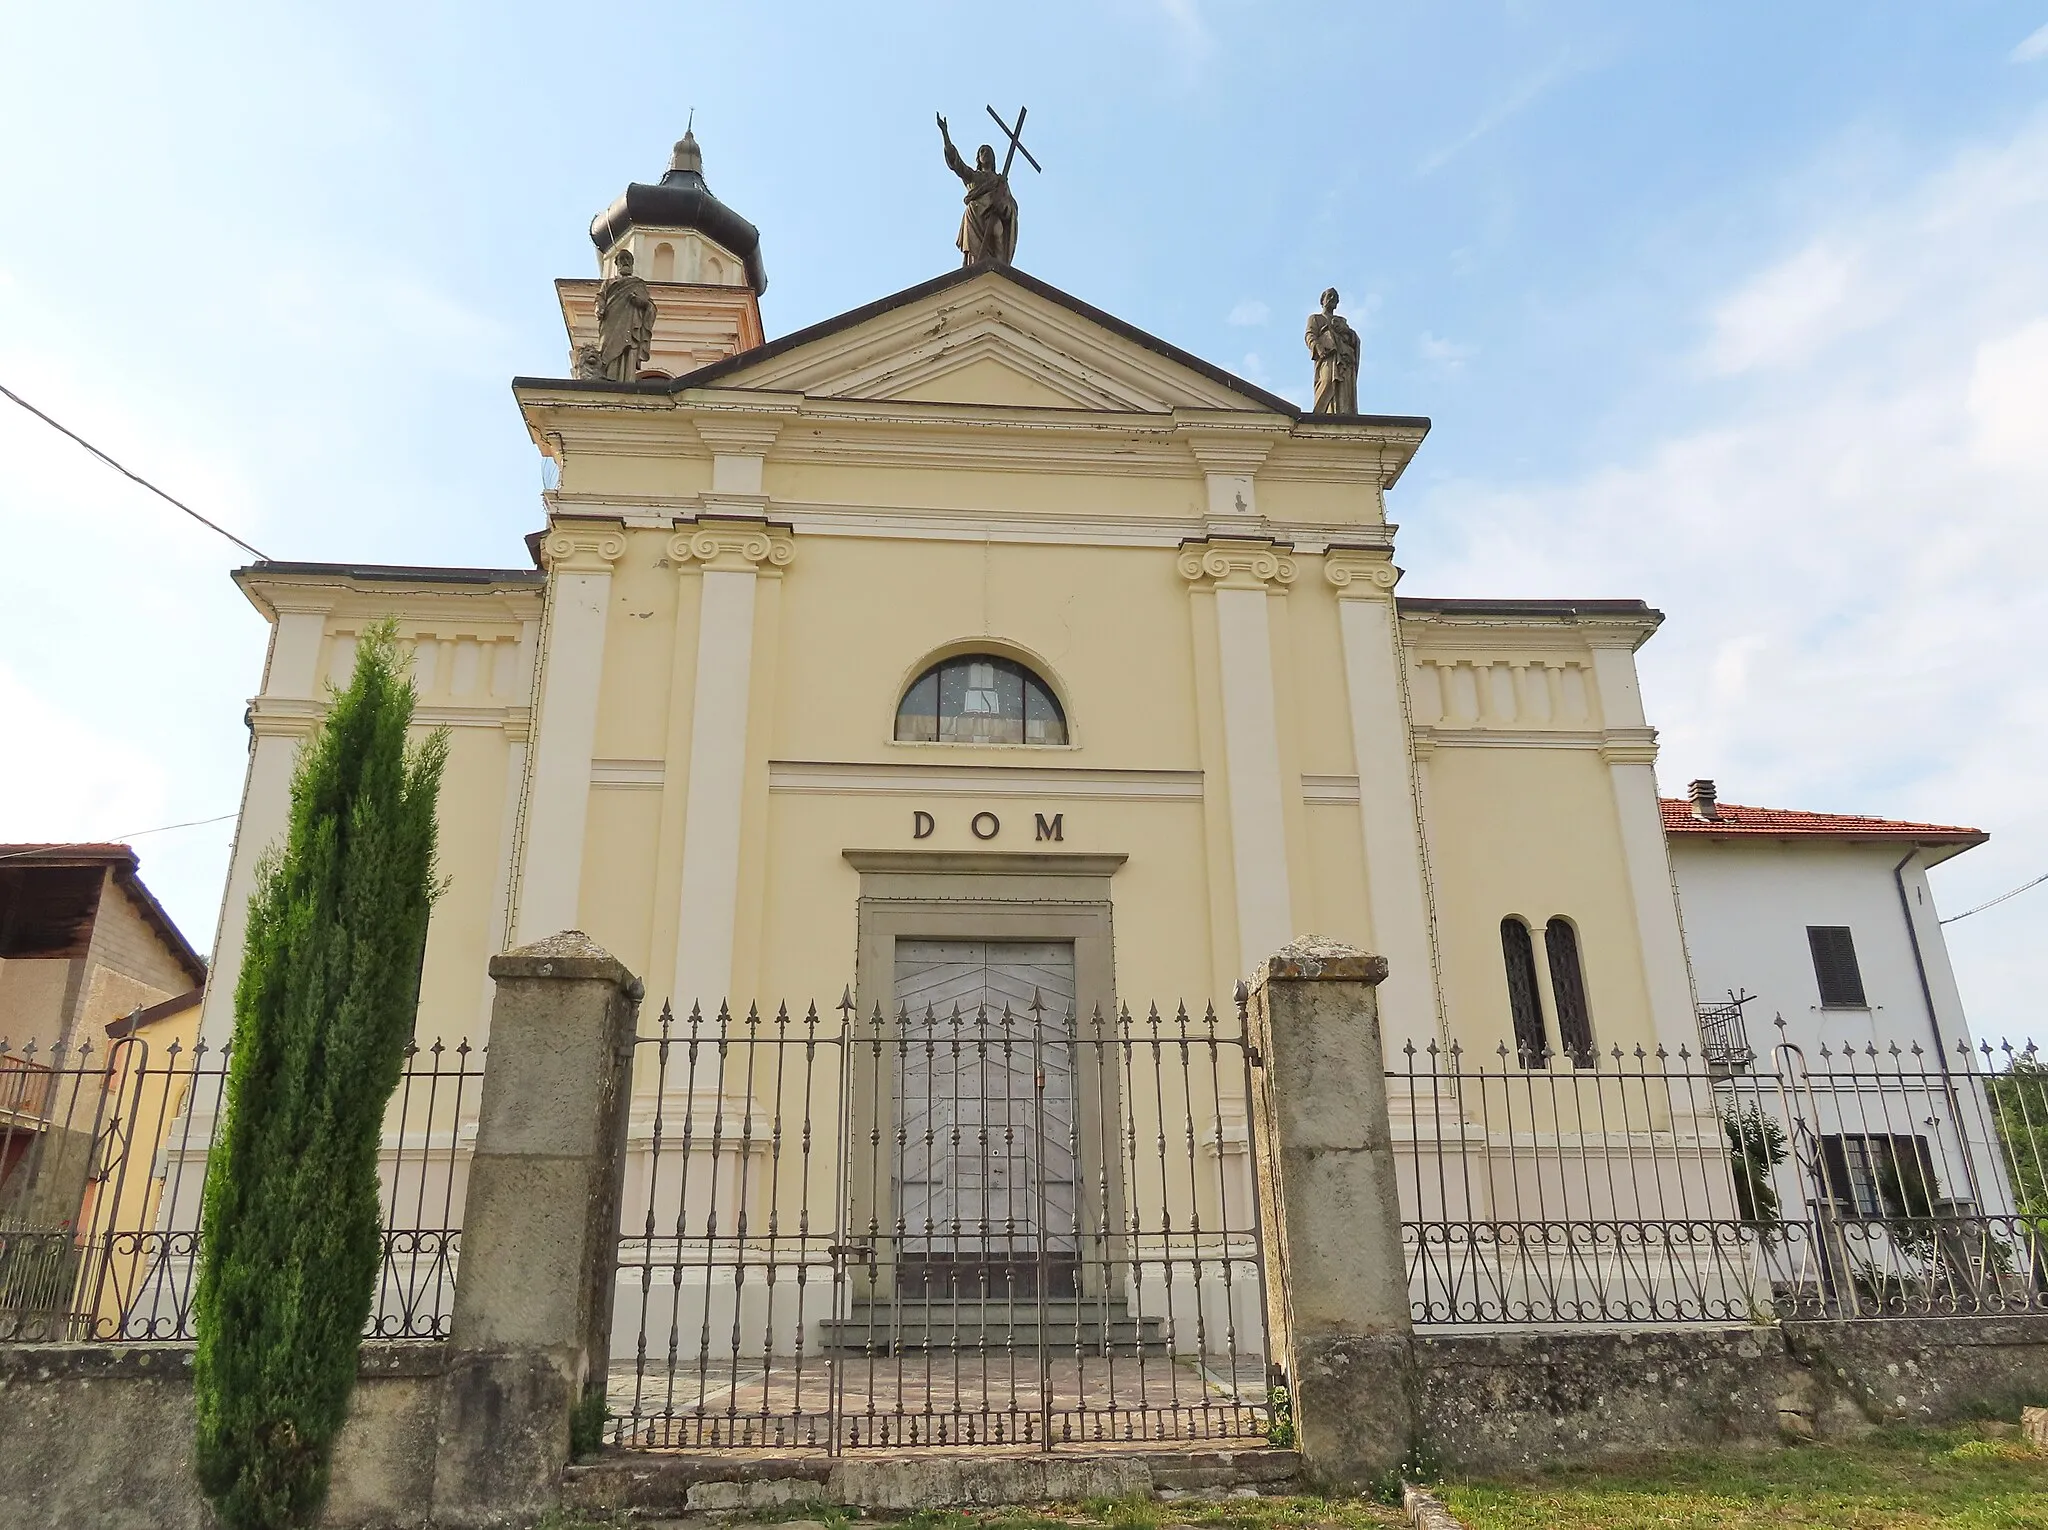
980,698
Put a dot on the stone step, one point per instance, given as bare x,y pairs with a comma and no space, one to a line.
912,1327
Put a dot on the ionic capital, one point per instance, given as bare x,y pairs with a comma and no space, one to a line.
1360,573
737,547
1220,564
573,549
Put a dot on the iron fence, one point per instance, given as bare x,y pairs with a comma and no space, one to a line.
1660,1188
997,1226
103,1159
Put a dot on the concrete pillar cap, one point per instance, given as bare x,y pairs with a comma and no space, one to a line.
1317,958
567,954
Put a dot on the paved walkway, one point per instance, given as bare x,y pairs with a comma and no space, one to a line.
938,1398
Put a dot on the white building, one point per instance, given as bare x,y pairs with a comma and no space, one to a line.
1824,918
1823,976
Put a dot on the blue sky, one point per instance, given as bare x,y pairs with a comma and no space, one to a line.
1739,308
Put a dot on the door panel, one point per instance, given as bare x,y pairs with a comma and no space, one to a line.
985,1173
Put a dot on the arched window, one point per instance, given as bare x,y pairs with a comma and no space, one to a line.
1525,1002
977,698
663,267
1568,989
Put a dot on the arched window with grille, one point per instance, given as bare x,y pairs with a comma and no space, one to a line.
1568,991
1525,1000
980,698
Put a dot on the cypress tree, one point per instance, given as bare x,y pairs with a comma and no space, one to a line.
292,1232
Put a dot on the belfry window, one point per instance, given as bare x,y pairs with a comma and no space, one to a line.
978,698
1525,1000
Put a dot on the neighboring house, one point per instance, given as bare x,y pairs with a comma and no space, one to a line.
1823,918
1822,974
82,943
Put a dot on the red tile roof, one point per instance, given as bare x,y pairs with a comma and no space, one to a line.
1789,823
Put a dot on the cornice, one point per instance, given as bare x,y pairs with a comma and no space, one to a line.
916,433
1361,573
733,546
569,548
1437,736
1629,746
1224,564
298,716
1081,527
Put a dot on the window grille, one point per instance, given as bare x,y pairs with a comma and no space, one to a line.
1834,966
1525,1003
1568,991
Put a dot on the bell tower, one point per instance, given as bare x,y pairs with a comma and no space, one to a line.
700,259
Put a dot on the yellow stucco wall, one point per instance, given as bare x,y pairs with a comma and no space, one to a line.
957,509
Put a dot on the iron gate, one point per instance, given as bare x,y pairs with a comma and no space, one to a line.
1004,1225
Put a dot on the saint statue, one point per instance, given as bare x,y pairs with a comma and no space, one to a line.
625,322
988,228
1334,345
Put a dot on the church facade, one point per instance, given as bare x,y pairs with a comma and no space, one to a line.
977,615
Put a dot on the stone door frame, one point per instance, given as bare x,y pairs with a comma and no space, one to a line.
988,895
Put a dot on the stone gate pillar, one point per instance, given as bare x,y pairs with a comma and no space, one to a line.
533,1295
1337,1288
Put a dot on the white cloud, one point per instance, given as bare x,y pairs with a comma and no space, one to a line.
2034,45
1189,31
1784,313
1444,355
1524,95
1249,312
65,777
2008,399
1849,553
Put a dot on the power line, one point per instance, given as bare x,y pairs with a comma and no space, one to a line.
1966,913
165,828
110,462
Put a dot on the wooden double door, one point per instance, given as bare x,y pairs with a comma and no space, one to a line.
986,1101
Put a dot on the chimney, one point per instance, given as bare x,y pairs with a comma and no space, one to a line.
1704,807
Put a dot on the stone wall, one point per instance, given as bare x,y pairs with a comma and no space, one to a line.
99,1436
1510,1400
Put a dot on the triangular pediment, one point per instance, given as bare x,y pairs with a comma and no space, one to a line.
988,336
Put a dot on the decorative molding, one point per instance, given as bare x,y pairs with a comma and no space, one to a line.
1360,573
1330,791
1507,738
732,434
738,547
632,775
982,863
1225,564
853,778
1629,746
582,549
871,432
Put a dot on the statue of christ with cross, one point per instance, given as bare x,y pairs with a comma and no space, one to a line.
988,227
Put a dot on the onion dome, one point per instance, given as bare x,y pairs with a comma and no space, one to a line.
682,201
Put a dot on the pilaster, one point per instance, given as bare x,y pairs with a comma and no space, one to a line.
280,719
1240,576
1390,809
1629,746
730,556
1230,464
579,558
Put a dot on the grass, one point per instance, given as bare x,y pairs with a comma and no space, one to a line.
1958,1479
